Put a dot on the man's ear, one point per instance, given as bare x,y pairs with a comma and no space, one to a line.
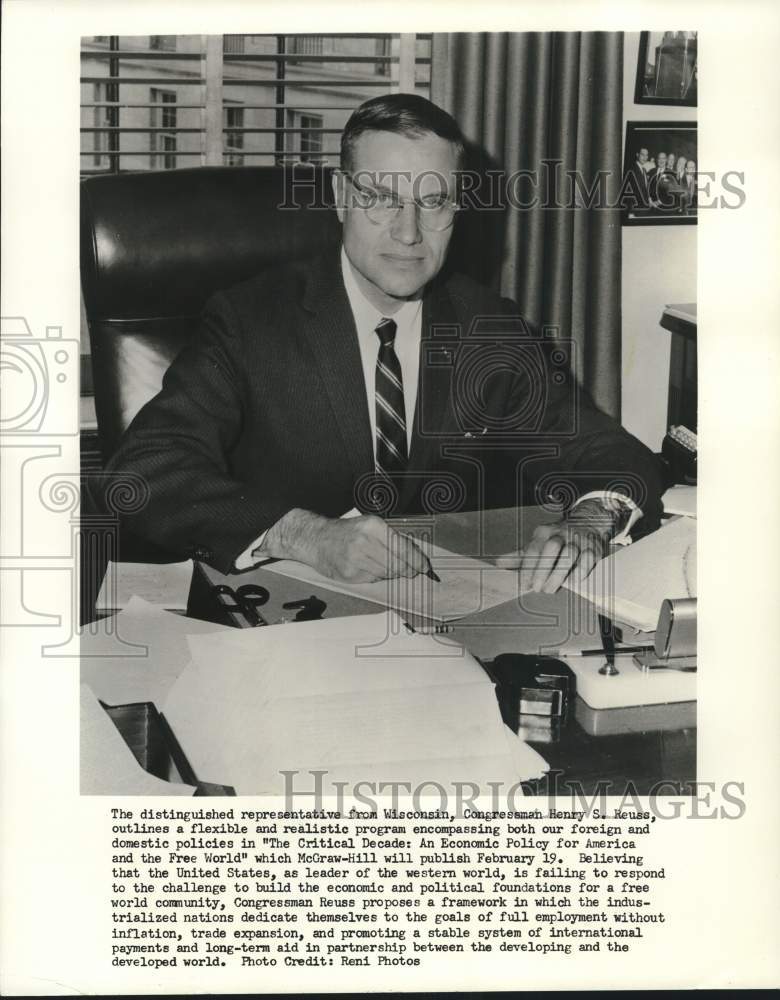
337,180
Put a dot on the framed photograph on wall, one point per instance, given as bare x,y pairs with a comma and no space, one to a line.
659,174
667,71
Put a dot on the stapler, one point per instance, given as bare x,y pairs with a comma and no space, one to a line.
535,693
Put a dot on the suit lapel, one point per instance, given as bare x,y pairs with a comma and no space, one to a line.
329,328
434,414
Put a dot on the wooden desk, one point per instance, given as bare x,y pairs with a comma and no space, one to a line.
629,748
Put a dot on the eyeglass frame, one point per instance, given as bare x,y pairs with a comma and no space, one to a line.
401,202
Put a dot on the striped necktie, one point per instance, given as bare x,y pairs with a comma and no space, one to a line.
391,448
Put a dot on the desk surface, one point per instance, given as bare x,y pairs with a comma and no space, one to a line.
642,746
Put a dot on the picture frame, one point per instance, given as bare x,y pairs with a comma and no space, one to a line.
667,69
650,196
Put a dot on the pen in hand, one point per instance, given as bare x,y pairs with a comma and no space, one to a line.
429,572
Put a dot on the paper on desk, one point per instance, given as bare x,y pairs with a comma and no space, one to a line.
166,585
137,654
108,766
467,585
361,652
680,500
356,697
631,584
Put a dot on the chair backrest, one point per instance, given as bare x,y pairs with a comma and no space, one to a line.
156,246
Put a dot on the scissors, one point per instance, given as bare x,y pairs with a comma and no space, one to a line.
246,599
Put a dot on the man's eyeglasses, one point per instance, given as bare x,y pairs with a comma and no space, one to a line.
435,212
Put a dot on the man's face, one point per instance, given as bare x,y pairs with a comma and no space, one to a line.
396,259
661,161
643,154
690,168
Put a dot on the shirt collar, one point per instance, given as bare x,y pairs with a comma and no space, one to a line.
366,315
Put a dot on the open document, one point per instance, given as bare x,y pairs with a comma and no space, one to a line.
466,585
358,698
631,584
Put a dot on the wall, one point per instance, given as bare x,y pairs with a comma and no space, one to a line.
659,267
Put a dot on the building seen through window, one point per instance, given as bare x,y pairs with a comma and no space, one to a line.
162,43
163,143
280,99
233,45
234,140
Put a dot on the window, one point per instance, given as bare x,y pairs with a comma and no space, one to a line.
383,49
100,119
306,45
163,144
234,141
233,45
278,98
311,141
162,43
304,137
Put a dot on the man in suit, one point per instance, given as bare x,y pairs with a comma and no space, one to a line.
656,195
689,192
374,378
639,169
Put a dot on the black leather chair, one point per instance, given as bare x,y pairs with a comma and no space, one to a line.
155,246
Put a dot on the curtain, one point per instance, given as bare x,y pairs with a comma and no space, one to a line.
550,103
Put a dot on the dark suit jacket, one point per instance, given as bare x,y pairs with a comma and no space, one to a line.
689,195
641,186
267,411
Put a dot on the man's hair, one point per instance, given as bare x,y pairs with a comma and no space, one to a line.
404,114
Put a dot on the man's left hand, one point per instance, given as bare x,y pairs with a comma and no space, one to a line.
570,547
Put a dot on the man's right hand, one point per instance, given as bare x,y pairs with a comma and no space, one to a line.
356,550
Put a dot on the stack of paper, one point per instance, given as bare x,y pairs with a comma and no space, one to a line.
166,585
133,656
108,766
137,654
358,698
630,585
680,500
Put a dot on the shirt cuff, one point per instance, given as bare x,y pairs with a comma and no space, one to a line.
624,536
248,557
